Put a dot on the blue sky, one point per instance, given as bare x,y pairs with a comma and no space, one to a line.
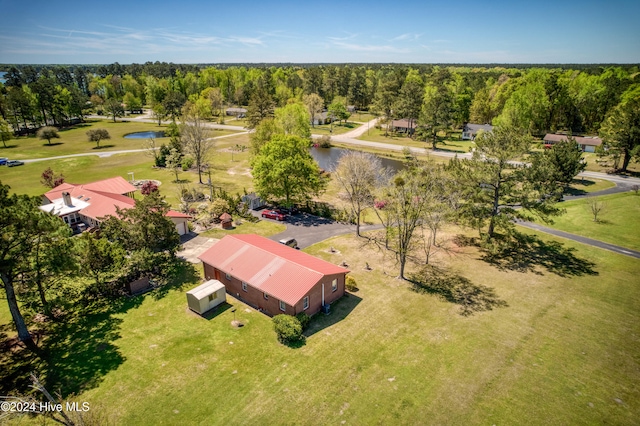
561,31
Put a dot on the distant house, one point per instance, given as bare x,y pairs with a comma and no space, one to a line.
320,118
82,206
236,111
273,277
586,143
470,130
351,108
403,126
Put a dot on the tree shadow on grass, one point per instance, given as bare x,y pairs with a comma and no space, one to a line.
103,146
523,253
455,289
178,273
570,190
52,144
339,311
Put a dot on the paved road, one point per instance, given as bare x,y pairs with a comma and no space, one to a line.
583,240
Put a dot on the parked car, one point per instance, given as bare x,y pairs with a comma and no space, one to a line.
13,163
3,161
273,214
291,242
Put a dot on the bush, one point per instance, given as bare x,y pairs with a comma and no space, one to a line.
187,163
324,141
287,328
304,319
350,283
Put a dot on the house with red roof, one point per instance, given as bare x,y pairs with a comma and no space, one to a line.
273,277
83,206
586,143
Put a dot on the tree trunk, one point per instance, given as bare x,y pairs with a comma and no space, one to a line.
21,327
625,160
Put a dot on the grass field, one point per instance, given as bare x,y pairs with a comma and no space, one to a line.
453,144
618,222
74,140
563,351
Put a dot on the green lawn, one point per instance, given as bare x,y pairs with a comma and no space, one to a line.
337,129
452,144
562,352
582,186
74,140
266,228
618,224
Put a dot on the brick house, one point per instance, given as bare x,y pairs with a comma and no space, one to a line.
273,277
586,144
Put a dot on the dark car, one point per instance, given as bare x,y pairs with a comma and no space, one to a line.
273,214
291,242
3,161
13,163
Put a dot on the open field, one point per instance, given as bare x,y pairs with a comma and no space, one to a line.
74,140
336,129
618,222
232,175
453,143
266,228
564,351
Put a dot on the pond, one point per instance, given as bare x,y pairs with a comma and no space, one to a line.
144,135
327,159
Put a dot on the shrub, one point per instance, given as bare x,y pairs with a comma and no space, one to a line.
304,319
287,328
187,162
148,187
350,283
324,141
217,208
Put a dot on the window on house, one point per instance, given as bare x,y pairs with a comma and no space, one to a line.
213,296
266,296
283,306
244,286
305,302
228,277
334,285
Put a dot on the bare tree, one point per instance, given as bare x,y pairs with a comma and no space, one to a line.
359,173
597,207
195,137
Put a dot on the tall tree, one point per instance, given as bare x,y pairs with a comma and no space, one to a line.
437,109
564,159
19,219
408,195
621,129
409,103
285,169
261,106
195,138
5,132
114,108
293,119
359,174
143,227
314,104
101,259
496,189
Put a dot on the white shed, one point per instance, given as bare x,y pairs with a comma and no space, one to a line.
206,296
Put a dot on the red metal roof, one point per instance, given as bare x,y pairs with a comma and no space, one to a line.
173,213
581,140
276,269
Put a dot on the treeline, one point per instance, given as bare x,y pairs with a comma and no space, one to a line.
540,98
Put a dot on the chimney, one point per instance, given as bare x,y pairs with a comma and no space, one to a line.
67,199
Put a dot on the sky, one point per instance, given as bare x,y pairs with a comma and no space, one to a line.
247,31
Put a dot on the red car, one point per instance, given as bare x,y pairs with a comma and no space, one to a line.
273,214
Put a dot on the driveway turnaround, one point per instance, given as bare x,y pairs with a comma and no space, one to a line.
193,246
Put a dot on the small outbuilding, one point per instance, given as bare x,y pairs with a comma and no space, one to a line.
226,221
206,296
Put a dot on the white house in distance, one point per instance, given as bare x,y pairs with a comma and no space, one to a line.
470,130
82,206
587,144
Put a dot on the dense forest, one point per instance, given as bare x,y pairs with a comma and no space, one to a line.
544,98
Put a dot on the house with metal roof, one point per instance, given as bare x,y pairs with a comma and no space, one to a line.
273,277
586,144
83,206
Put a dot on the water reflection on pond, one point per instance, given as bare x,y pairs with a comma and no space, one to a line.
327,159
144,135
